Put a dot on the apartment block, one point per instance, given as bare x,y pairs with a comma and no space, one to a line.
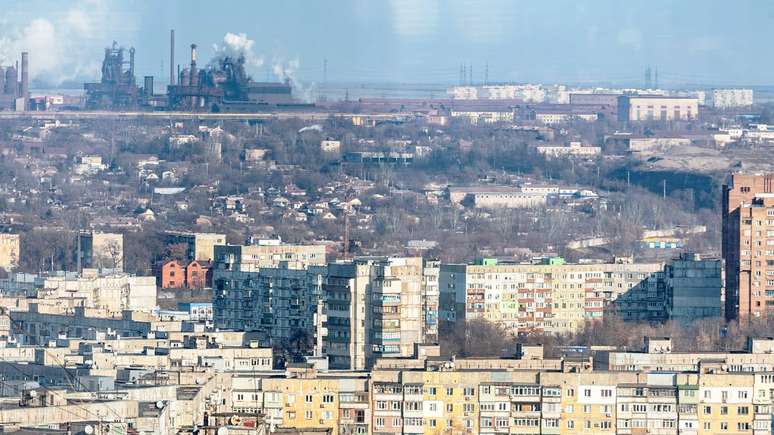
548,297
9,251
758,356
748,245
693,287
100,250
373,309
200,246
248,258
281,303
430,294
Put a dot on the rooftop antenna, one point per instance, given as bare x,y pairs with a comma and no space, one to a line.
655,84
470,75
464,75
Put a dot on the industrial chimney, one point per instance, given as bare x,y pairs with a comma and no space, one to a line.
131,65
194,75
172,57
25,80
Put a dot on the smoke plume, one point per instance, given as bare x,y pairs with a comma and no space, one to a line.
238,44
66,44
287,70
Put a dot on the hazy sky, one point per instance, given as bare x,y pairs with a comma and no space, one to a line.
415,41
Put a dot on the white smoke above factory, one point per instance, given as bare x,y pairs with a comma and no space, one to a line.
283,69
57,42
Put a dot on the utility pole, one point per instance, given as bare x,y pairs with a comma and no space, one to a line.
486,74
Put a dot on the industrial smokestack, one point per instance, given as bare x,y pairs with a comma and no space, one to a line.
194,75
25,79
131,64
172,57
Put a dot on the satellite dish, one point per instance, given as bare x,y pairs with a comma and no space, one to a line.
88,429
222,431
159,405
235,420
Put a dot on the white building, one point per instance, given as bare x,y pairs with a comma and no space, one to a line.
728,98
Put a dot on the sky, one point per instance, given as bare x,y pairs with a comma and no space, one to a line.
707,42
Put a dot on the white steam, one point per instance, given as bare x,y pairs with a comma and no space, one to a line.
287,70
236,44
68,43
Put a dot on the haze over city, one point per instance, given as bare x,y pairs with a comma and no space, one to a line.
386,217
607,41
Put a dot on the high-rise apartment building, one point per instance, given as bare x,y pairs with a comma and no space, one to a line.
9,251
99,250
200,246
430,300
551,296
748,245
373,309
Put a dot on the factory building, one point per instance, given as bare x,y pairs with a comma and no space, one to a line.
15,93
225,86
117,88
657,108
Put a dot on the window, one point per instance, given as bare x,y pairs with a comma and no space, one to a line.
587,409
607,393
450,391
308,398
308,415
743,410
587,392
570,424
723,425
449,407
432,391
328,398
469,391
379,421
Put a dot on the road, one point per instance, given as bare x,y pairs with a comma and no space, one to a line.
307,116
